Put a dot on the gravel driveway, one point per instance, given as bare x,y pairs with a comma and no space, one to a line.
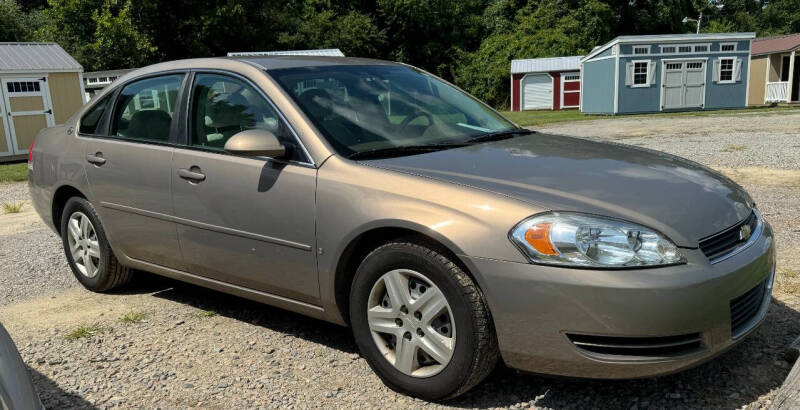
183,346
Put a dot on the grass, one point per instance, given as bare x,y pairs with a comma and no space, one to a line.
203,314
83,331
132,317
13,172
542,118
12,207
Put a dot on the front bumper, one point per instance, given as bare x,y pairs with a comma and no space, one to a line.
536,307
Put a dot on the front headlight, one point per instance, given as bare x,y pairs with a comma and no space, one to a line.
572,239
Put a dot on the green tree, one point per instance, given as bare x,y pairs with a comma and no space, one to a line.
117,43
354,33
15,24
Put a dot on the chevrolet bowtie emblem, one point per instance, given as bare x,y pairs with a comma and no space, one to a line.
745,232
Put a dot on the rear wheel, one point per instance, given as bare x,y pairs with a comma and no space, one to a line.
421,322
89,256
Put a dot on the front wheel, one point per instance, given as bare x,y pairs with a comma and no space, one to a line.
421,322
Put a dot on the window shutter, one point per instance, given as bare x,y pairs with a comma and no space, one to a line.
737,69
715,78
651,73
629,74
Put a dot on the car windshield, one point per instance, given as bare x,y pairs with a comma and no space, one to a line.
380,108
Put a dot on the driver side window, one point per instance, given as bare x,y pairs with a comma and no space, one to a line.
223,106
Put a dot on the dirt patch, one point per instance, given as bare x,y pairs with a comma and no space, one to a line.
23,221
763,176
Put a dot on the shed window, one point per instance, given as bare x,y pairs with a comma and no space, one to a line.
640,73
667,49
23,87
703,48
694,65
674,66
641,50
685,49
726,70
572,77
728,47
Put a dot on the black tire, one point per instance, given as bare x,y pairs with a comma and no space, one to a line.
475,353
111,274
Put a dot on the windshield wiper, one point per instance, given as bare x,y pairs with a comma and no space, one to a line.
500,135
402,150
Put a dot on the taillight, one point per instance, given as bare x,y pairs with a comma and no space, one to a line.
30,155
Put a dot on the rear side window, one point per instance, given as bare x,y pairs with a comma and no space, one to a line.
145,109
91,120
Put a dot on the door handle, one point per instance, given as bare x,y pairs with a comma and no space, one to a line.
193,174
96,159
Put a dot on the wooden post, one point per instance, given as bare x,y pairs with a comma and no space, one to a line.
791,78
788,396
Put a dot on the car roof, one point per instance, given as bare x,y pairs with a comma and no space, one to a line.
278,62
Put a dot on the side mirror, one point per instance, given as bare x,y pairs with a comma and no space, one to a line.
255,143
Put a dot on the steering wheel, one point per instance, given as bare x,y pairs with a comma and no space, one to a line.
414,115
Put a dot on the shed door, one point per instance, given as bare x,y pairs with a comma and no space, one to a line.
27,110
684,84
537,92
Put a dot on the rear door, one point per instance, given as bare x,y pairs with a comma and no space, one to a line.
247,221
128,164
28,110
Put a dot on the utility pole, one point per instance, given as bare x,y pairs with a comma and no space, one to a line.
699,21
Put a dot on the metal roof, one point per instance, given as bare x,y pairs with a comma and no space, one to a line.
328,52
778,44
671,38
36,57
537,65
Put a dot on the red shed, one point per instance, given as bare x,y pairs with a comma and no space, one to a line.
546,83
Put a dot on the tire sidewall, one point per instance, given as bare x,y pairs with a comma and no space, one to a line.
100,281
407,256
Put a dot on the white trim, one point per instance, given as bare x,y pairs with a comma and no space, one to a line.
38,72
564,92
580,100
735,47
733,71
766,79
84,97
686,59
679,55
522,91
747,83
646,74
790,86
4,118
616,85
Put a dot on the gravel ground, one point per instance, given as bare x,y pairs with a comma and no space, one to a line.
199,348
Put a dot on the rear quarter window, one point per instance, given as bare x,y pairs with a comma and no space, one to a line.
91,120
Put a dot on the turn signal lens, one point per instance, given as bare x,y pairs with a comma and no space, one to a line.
538,236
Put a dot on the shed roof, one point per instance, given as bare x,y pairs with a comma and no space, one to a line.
778,44
36,57
537,65
328,52
671,38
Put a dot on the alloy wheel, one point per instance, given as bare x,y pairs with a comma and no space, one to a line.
83,244
411,323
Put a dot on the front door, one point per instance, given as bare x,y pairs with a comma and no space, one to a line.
129,170
27,111
684,85
244,221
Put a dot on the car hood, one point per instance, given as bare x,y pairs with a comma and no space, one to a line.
680,198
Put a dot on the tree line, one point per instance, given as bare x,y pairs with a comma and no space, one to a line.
469,42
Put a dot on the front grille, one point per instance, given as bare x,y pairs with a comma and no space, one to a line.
653,347
726,241
745,307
